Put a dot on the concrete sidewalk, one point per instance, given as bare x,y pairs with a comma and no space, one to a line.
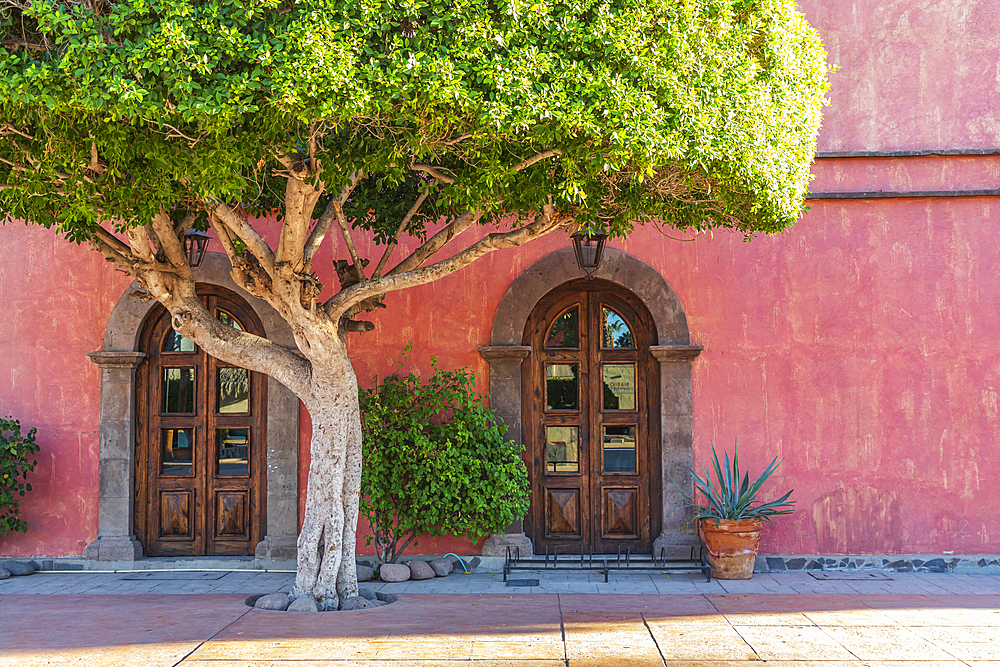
247,582
835,627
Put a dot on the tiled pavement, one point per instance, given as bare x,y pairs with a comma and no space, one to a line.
920,620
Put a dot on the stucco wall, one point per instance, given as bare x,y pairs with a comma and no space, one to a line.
861,346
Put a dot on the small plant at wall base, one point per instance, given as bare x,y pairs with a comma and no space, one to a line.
435,462
15,452
729,520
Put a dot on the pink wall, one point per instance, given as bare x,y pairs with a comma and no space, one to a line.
55,298
914,74
861,346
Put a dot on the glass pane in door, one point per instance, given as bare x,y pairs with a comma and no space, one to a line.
619,449
234,390
562,387
233,448
177,391
562,449
176,452
619,386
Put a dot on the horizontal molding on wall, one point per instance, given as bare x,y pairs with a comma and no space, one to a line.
930,152
908,194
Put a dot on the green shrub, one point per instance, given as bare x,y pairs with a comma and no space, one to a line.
436,462
15,450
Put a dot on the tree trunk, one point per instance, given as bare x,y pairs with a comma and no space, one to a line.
326,566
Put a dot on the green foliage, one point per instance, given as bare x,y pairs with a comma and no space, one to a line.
15,450
726,500
436,462
691,113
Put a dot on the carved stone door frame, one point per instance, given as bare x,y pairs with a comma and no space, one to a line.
118,359
673,351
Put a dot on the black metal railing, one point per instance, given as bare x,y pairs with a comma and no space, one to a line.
604,563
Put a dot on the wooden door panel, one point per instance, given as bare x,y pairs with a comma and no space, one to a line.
620,513
196,504
601,502
562,514
232,514
176,520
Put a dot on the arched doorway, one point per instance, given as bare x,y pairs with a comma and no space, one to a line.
200,456
672,412
591,447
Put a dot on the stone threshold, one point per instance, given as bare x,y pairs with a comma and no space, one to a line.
173,563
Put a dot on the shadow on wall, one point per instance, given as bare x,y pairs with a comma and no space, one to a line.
858,519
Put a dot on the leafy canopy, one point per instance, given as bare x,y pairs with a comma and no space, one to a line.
695,113
435,462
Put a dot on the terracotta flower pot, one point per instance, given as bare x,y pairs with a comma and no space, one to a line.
732,547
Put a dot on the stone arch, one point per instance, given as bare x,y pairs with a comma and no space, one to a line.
118,360
674,352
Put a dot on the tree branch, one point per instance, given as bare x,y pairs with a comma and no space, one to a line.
190,317
254,242
326,220
172,246
436,242
300,202
549,221
535,159
433,171
399,231
114,250
346,233
138,241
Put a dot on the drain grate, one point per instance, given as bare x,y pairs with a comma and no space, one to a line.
521,582
850,576
174,576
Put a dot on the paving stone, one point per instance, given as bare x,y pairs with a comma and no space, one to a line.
394,572
420,570
303,604
273,602
441,567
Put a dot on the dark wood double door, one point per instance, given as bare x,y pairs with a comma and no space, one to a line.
200,449
589,384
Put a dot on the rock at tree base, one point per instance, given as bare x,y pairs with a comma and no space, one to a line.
4,574
441,567
385,597
273,602
365,573
420,570
252,599
303,604
18,568
356,602
393,572
367,594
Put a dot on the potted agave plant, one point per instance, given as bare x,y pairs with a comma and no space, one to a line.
730,518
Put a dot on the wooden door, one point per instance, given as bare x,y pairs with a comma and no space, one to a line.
200,455
589,384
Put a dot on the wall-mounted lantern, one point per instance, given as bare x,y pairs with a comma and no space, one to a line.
589,246
195,243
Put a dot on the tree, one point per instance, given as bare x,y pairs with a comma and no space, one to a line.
124,123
